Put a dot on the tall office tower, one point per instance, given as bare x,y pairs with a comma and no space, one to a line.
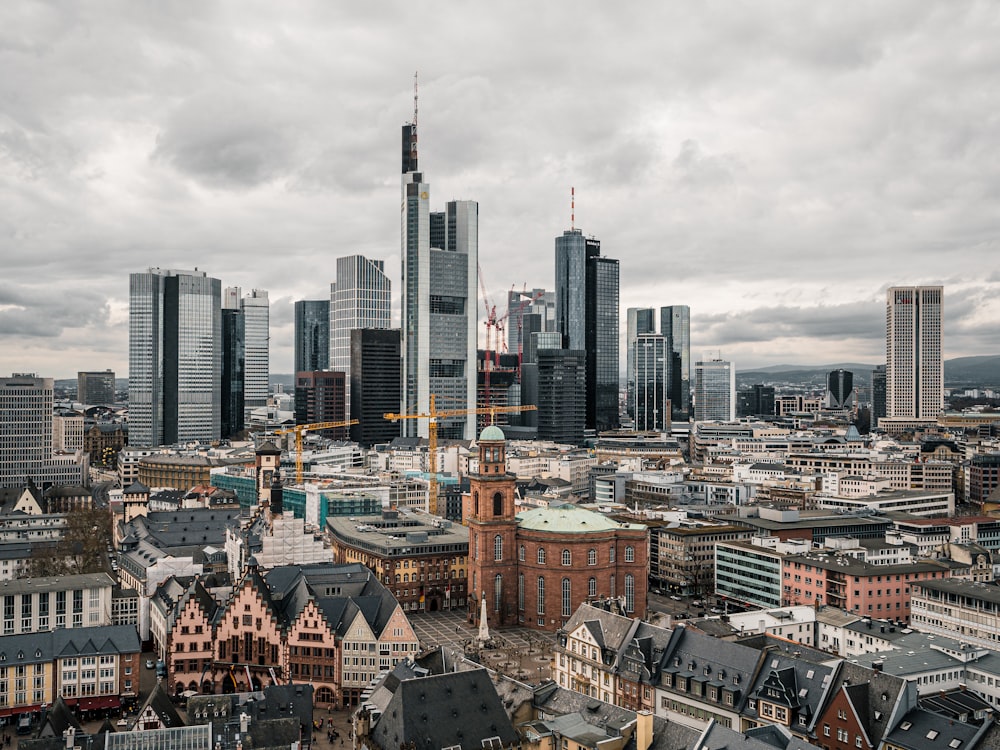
914,369
528,302
175,357
756,401
840,389
233,353
878,394
675,327
530,325
257,348
25,427
714,391
652,382
375,384
96,388
639,320
587,317
312,335
562,395
319,397
439,303
359,298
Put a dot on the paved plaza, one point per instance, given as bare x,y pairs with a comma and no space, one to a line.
516,651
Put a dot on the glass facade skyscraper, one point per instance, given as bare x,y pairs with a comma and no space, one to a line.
175,357
257,349
587,300
233,353
714,391
439,302
652,381
675,327
359,298
312,335
639,320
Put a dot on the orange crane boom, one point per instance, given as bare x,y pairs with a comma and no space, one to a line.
301,429
433,415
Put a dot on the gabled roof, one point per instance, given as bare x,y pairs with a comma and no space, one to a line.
160,703
437,711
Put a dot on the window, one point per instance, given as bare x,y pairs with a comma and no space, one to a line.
629,593
567,599
498,548
611,554
520,590
592,588
497,592
567,558
630,554
540,609
541,555
520,553
592,557
857,740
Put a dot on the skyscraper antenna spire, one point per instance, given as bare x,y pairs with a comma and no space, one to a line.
415,99
572,208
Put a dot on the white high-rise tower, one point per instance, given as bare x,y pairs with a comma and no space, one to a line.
914,368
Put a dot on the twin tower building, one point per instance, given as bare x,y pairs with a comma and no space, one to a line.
199,355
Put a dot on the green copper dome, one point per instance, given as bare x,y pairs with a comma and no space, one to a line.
491,433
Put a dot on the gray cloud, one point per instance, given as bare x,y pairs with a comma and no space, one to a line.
773,166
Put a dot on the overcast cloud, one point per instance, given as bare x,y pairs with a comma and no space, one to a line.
773,165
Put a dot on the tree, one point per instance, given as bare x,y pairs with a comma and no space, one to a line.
81,549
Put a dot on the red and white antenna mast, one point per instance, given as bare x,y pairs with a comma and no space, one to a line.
415,99
572,207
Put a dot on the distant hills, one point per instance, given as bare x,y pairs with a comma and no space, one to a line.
962,371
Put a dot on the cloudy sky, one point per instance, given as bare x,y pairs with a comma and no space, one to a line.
773,165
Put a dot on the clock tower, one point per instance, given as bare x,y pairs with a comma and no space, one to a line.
489,512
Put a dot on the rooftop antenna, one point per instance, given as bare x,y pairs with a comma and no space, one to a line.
572,208
415,99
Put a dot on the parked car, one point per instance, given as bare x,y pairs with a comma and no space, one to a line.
675,597
716,611
149,664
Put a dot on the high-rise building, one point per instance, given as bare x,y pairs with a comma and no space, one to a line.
359,298
652,381
96,388
840,389
675,327
257,357
439,302
914,371
562,395
755,401
375,384
233,353
878,394
26,446
312,335
639,320
523,303
587,287
175,357
714,391
319,397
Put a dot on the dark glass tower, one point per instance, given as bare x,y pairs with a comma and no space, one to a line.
375,384
639,320
675,327
233,354
312,335
562,395
878,394
840,389
587,317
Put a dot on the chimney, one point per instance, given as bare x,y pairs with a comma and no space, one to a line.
70,735
643,730
244,723
877,666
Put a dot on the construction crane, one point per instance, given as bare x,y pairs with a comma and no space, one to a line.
519,309
494,333
433,414
300,429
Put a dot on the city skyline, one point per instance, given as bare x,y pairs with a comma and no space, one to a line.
775,187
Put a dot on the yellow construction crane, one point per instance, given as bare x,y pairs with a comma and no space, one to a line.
299,430
433,415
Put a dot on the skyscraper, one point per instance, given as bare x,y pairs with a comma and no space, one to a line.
257,360
175,357
639,320
528,302
652,381
374,384
95,388
840,389
675,327
439,302
359,298
714,391
319,397
562,395
233,355
914,371
312,335
878,394
587,317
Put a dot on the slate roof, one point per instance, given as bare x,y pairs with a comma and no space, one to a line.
159,701
136,488
802,686
456,708
58,719
921,729
715,736
873,696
